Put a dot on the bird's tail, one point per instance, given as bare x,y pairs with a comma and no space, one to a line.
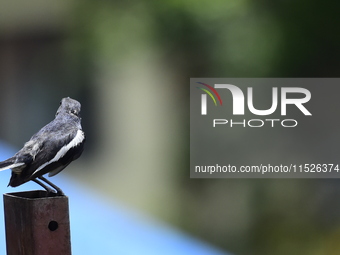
10,163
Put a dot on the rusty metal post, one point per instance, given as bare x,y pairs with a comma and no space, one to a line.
37,224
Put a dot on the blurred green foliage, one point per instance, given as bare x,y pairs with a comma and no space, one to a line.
231,39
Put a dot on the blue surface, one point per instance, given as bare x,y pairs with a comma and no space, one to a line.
101,228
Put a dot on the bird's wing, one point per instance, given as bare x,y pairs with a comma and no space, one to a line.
55,146
35,146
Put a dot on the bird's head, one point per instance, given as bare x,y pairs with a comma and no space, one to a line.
69,106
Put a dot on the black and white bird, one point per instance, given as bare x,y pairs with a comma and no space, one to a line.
50,150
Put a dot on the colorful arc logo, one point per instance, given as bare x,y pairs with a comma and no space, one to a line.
204,97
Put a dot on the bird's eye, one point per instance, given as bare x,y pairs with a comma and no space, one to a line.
74,112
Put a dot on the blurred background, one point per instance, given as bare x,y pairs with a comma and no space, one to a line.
129,64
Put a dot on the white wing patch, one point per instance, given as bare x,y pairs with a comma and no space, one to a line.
75,141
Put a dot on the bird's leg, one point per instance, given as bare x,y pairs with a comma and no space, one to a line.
59,191
48,189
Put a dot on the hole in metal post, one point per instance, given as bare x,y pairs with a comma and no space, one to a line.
53,225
